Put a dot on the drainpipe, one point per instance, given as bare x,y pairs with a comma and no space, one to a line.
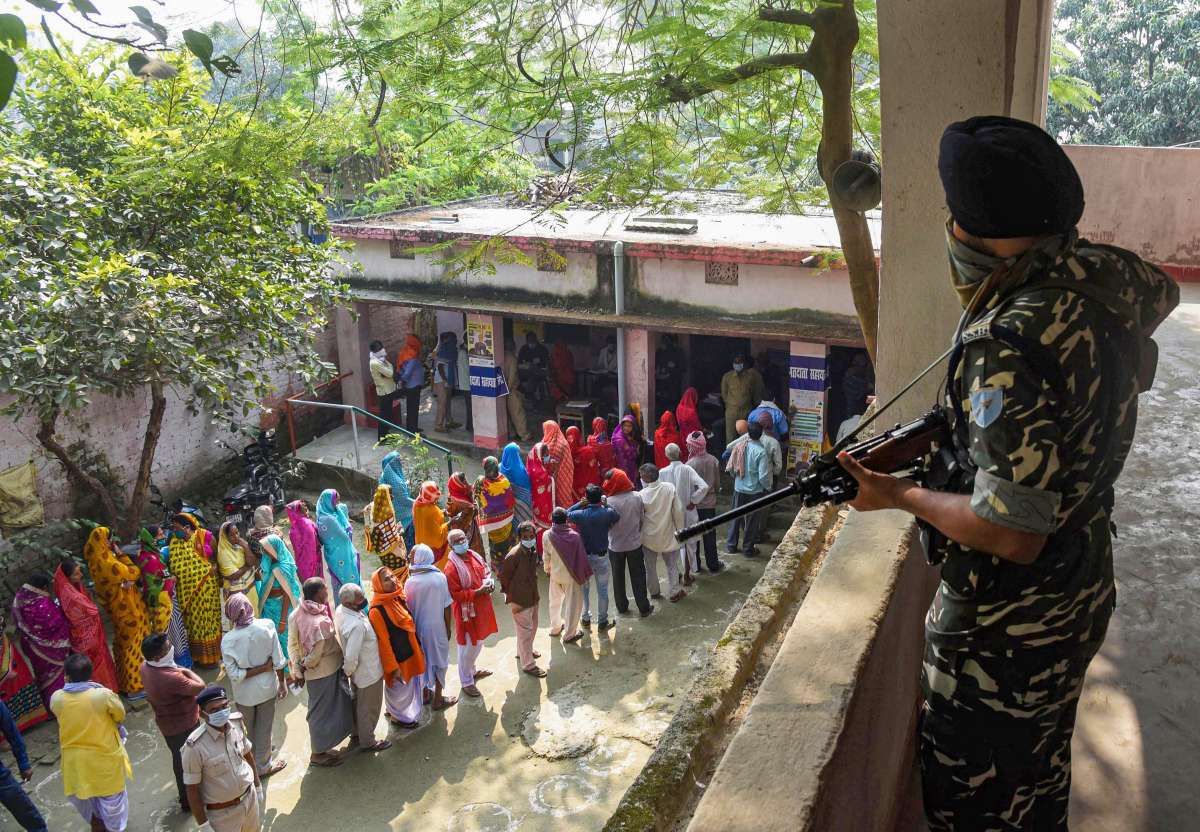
618,253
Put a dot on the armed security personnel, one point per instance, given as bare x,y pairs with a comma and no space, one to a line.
219,769
1051,353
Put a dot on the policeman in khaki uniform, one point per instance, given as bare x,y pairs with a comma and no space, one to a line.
1050,355
218,769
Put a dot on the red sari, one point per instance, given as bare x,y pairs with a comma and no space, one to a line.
562,373
606,457
667,433
688,416
87,632
587,469
540,487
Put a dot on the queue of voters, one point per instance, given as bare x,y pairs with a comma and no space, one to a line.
295,613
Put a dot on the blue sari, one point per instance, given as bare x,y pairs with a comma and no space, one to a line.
275,556
512,466
402,501
335,532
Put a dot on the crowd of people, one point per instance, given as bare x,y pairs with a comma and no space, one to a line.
280,611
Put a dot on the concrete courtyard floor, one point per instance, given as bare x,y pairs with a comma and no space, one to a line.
530,755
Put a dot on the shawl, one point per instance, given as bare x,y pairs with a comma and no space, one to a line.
697,445
430,493
686,413
45,634
75,601
569,545
411,350
667,434
393,476
617,482
389,613
587,470
625,449
313,623
303,534
276,557
422,559
495,499
513,468
384,535
542,500
737,458
606,457
239,610
458,487
155,577
465,577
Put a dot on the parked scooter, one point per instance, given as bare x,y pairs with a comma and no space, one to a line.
262,484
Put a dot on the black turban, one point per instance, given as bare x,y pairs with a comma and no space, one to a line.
1008,178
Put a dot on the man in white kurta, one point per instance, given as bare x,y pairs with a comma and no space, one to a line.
361,664
690,487
662,517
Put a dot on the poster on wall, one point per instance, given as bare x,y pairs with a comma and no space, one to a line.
806,396
479,340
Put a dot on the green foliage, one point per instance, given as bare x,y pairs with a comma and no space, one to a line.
420,461
1142,59
42,547
1068,91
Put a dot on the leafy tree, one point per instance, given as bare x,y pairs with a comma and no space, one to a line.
150,242
1142,57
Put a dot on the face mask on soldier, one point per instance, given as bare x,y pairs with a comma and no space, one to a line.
969,267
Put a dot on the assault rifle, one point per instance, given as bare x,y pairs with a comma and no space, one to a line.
920,450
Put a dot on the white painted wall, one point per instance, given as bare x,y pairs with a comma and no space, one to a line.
759,288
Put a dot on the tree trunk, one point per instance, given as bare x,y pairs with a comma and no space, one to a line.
76,474
141,486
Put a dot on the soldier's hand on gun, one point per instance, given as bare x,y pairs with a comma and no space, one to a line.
875,491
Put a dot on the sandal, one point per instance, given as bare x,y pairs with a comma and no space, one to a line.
482,674
534,671
536,654
275,767
472,691
381,745
573,638
325,760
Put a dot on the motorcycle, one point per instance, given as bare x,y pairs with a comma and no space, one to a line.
262,484
179,506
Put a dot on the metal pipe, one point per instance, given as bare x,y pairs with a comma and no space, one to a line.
354,429
618,254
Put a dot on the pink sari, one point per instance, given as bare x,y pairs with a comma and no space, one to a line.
306,547
45,635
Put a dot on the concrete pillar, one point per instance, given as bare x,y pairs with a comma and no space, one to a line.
354,357
808,364
485,341
639,373
939,63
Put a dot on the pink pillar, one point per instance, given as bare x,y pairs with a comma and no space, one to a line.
639,372
353,336
485,344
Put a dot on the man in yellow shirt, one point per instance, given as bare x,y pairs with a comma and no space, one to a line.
94,762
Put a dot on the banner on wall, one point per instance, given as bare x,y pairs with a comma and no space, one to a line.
806,395
480,343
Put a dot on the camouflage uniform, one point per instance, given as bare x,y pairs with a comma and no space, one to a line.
1045,393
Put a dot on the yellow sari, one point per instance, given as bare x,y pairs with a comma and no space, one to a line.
116,577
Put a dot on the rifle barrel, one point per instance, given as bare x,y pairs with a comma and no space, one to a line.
686,534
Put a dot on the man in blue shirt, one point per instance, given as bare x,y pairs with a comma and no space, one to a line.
594,519
411,370
779,420
11,793
751,467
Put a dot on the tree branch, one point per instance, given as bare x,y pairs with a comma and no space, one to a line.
792,16
46,437
680,91
137,498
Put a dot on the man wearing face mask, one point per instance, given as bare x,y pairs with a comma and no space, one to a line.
518,579
219,769
1050,355
741,387
171,691
471,585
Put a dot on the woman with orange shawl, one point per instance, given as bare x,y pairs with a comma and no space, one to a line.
399,649
411,379
562,373
541,486
461,509
667,434
116,581
559,463
429,522
583,457
688,417
87,630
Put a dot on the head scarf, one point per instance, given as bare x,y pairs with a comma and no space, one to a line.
552,435
457,487
430,493
574,438
231,556
569,545
393,474
667,434
313,623
412,349
239,610
617,482
392,602
599,434
422,559
389,608
263,523
686,412
70,595
513,468
491,467
696,443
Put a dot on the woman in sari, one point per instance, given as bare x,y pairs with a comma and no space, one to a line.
239,568
559,463
541,485
87,631
606,457
385,537
399,648
18,686
306,546
156,582
462,510
402,500
562,373
45,632
688,417
116,581
429,523
154,540
197,589
337,541
625,444
587,469
512,467
278,590
667,434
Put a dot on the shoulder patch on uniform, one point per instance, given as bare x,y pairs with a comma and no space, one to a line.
986,404
979,329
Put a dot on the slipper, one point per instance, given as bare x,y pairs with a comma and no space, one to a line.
447,702
274,768
482,674
534,671
555,633
536,654
399,723
573,638
382,745
472,691
325,762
